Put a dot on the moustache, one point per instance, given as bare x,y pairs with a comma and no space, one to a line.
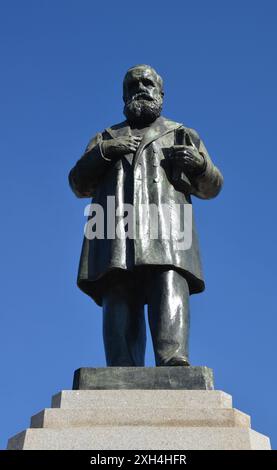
141,96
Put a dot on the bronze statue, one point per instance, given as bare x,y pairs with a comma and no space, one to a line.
147,160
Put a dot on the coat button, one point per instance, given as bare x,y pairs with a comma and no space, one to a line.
156,179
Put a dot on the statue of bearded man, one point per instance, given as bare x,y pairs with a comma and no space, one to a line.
145,161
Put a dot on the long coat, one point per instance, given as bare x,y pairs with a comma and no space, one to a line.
141,179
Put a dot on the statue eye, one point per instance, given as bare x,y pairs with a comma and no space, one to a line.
147,82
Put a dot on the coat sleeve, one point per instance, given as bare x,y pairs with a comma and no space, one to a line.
209,183
88,171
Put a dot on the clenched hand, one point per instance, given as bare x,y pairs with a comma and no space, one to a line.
187,157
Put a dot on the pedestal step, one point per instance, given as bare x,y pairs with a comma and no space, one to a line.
139,416
146,398
139,438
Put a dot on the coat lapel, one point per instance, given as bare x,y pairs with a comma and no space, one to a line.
159,128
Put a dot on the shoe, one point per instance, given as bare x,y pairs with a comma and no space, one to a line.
176,361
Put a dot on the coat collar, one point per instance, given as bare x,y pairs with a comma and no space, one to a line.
159,128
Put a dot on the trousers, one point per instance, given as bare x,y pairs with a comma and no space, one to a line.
166,294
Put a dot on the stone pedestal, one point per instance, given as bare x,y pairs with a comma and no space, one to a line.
140,419
143,378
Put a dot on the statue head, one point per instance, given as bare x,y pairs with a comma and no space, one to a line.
142,95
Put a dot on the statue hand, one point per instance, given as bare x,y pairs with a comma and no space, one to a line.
120,146
188,158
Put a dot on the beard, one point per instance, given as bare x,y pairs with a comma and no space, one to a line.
143,111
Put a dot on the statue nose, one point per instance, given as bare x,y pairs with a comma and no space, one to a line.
141,87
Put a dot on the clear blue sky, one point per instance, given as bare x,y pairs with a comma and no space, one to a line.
62,64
